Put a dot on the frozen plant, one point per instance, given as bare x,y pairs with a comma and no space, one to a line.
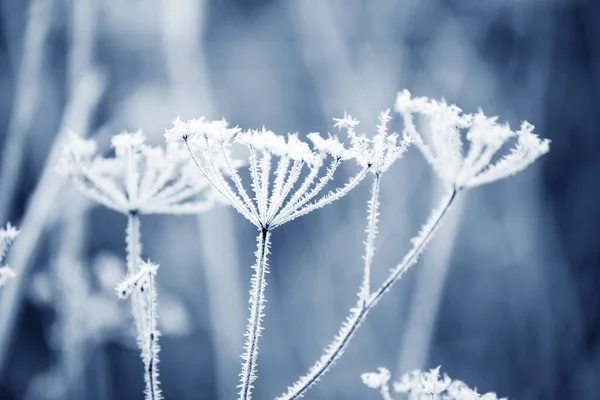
139,179
379,152
275,166
419,385
7,236
442,147
145,281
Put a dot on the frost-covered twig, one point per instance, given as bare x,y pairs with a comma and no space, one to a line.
139,180
257,305
275,165
458,171
142,284
359,313
7,237
421,385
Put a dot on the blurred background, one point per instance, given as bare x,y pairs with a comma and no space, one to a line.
506,298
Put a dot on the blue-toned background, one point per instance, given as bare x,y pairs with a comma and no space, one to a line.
506,298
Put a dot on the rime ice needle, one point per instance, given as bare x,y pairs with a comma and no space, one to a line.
139,179
287,179
443,149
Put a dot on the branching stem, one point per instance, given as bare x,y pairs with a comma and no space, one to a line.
359,313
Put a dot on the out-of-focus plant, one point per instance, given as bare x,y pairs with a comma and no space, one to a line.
139,179
441,143
420,385
275,165
7,236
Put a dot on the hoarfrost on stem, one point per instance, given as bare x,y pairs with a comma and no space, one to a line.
139,179
287,179
444,152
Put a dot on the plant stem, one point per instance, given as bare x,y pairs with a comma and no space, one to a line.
359,313
257,305
372,219
145,321
152,383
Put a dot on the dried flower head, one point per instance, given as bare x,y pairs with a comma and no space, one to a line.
378,152
139,178
275,164
442,145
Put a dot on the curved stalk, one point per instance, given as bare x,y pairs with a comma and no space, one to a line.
360,312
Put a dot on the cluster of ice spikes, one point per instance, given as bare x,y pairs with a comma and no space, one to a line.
419,385
139,178
7,236
277,163
442,145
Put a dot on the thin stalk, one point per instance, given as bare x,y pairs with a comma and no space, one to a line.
256,183
152,384
257,305
144,320
372,220
234,200
291,207
385,392
359,313
238,184
134,255
326,199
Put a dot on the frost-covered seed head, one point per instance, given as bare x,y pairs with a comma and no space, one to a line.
139,177
379,152
442,146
